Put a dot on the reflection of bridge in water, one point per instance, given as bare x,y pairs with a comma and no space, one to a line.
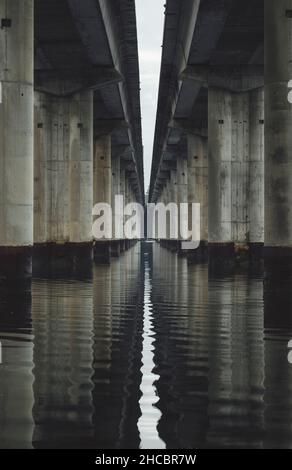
200,361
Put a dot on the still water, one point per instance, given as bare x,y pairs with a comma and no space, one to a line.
149,352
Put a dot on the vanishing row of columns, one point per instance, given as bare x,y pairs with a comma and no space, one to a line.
224,173
246,199
52,168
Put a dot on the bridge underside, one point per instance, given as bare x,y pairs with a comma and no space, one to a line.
70,124
223,124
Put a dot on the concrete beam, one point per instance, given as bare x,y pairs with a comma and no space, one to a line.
108,126
229,77
63,82
188,127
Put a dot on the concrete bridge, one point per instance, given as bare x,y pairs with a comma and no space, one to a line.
70,123
223,129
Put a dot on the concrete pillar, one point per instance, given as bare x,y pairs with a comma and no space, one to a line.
198,179
102,189
123,193
256,189
63,169
220,166
51,169
16,137
116,183
182,193
102,182
240,168
278,124
81,168
173,186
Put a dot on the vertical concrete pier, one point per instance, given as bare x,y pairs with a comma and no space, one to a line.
116,186
102,190
278,125
256,189
220,170
63,174
182,197
198,183
16,138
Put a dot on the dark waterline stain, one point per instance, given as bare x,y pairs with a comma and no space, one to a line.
147,352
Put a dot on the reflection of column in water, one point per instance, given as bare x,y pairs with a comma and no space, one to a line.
16,379
278,371
194,382
104,422
166,321
63,348
247,362
131,345
117,353
150,414
220,358
236,363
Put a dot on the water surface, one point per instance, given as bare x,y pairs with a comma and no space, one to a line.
149,352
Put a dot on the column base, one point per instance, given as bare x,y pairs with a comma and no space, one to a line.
172,245
200,255
115,248
102,252
53,259
122,246
221,258
15,265
277,287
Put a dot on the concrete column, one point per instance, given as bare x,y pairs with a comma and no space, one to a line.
123,193
256,189
51,169
102,174
182,192
173,186
278,124
240,168
102,188
16,137
81,168
63,169
220,166
116,183
198,179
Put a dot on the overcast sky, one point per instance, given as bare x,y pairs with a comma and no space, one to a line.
150,20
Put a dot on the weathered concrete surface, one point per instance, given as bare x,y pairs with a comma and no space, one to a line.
16,124
256,189
278,124
63,175
182,195
220,166
240,168
198,179
236,170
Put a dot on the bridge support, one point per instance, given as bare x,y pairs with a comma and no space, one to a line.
116,191
220,171
102,190
278,122
63,174
16,139
256,188
236,219
198,186
182,197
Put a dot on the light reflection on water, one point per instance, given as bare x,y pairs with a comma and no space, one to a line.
150,414
149,352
